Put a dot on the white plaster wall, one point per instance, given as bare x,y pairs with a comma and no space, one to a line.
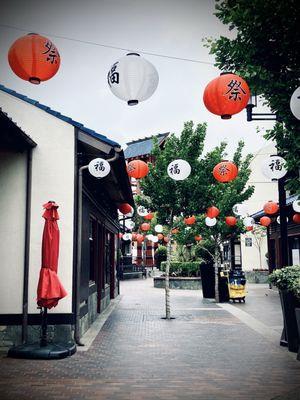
52,179
12,230
264,190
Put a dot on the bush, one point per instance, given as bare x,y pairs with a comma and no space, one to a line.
160,255
204,250
287,278
182,268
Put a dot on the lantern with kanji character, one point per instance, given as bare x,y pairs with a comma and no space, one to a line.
137,169
125,208
265,221
249,228
145,226
99,167
212,212
225,171
248,221
127,236
274,168
134,236
240,209
271,207
179,170
296,206
158,228
139,238
198,238
34,58
295,103
154,239
231,221
190,220
226,95
296,218
142,211
149,216
133,79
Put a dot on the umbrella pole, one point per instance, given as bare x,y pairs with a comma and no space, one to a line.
44,328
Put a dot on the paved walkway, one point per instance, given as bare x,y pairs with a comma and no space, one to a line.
208,352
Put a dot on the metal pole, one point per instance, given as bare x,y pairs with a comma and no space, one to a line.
284,247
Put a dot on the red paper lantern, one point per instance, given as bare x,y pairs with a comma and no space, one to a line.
265,221
149,216
231,221
225,171
190,220
137,169
226,95
296,218
249,228
271,207
139,238
34,58
145,226
198,238
166,239
160,236
212,212
133,236
175,231
125,208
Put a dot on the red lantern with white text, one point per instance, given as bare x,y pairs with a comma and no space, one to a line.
212,212
265,221
225,171
271,208
226,95
137,169
34,58
231,221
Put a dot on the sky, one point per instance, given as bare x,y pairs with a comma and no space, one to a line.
79,90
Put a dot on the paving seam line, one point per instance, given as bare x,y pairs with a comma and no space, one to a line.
90,335
266,331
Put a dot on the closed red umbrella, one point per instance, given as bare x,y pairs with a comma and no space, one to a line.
50,290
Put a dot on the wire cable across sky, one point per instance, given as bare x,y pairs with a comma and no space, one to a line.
110,46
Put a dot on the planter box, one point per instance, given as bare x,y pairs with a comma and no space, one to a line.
297,311
178,282
289,304
257,276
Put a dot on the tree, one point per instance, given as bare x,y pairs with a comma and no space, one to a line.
259,234
266,52
173,200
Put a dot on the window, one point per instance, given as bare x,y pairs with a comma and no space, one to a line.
248,242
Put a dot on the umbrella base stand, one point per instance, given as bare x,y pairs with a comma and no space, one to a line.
52,351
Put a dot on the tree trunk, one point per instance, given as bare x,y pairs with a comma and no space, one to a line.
167,283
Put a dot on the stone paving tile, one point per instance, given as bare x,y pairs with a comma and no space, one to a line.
205,353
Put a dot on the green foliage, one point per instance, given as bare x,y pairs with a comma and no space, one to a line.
205,251
178,268
266,52
287,278
160,255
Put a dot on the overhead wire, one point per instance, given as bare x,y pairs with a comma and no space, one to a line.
110,46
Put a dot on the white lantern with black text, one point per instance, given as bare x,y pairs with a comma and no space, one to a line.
133,79
154,239
295,103
296,206
158,228
149,237
274,167
179,170
129,224
99,168
248,221
142,211
240,209
210,221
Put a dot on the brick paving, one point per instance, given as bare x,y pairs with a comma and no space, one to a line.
205,353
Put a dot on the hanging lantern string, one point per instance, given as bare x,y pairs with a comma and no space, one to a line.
109,46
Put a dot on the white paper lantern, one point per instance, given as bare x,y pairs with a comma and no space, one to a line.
154,239
295,103
158,228
149,237
210,221
133,79
179,170
248,221
99,167
129,224
142,211
274,167
296,206
278,219
127,236
188,228
240,209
